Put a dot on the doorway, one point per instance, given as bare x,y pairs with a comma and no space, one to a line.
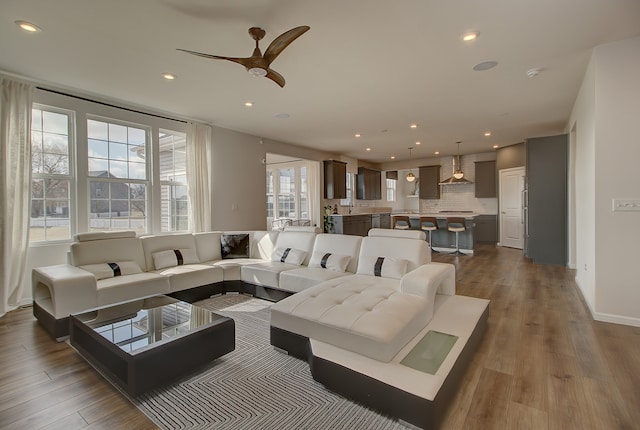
512,206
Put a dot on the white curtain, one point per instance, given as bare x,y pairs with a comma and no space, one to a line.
199,175
15,188
313,190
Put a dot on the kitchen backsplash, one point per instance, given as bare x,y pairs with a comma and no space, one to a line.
460,198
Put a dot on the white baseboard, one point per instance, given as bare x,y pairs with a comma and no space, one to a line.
616,319
609,318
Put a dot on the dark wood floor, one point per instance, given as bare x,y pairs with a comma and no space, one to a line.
543,363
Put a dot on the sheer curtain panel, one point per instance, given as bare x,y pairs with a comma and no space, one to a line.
15,189
199,174
313,190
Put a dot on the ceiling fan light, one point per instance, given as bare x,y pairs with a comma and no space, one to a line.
411,177
257,71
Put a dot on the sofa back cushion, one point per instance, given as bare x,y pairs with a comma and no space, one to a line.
299,240
339,244
415,251
208,245
155,244
107,250
404,234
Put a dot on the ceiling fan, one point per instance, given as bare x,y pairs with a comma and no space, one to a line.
258,64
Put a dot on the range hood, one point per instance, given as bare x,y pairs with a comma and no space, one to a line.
453,180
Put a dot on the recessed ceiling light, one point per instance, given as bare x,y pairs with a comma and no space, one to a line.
472,35
368,149
393,157
485,65
418,143
169,76
27,26
414,126
496,146
248,104
357,135
282,115
487,133
437,152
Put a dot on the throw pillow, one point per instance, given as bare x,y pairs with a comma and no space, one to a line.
234,245
385,267
288,255
174,257
329,261
109,270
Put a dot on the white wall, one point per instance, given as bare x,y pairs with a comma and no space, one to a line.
605,117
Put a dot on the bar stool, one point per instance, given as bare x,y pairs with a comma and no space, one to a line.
429,224
401,222
456,225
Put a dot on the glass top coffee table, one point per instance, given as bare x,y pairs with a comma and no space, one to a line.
147,343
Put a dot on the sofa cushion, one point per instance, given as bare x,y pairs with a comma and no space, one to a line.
191,276
174,257
288,255
235,245
266,274
329,261
130,287
359,313
297,280
169,242
231,268
108,250
343,244
301,240
109,270
416,252
208,245
385,267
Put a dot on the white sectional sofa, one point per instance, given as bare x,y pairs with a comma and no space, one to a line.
352,307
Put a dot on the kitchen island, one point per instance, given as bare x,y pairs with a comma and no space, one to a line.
442,239
359,224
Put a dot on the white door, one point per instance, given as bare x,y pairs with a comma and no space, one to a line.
511,186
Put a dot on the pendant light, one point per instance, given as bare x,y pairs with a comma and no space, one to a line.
458,174
410,176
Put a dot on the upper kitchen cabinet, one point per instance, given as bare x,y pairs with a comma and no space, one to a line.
335,179
429,182
486,179
368,184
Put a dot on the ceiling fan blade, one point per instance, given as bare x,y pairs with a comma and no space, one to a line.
247,62
275,77
282,41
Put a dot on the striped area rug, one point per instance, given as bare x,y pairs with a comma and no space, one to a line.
255,386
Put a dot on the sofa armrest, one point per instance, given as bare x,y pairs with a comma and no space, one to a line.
430,279
63,289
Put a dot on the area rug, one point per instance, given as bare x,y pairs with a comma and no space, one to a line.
255,386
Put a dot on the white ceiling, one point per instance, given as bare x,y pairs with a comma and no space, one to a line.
366,66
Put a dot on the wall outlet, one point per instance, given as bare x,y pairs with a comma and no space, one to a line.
626,205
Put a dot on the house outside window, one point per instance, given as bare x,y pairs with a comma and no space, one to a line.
391,189
52,174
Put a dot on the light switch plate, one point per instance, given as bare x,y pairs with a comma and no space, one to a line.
626,205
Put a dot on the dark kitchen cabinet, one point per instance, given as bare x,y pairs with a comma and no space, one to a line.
486,229
546,199
486,179
358,225
368,184
335,179
429,182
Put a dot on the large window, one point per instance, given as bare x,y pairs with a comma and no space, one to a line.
118,178
51,173
287,193
174,192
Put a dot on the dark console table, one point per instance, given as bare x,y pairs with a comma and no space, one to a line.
147,343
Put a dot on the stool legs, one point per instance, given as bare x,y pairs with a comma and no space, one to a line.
431,244
457,251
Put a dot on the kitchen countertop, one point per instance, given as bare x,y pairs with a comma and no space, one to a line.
465,214
363,213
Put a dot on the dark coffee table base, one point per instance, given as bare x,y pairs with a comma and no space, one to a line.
158,366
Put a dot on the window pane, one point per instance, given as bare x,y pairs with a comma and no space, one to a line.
118,205
98,168
270,181
137,154
117,151
98,148
137,136
54,122
97,130
118,169
117,133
